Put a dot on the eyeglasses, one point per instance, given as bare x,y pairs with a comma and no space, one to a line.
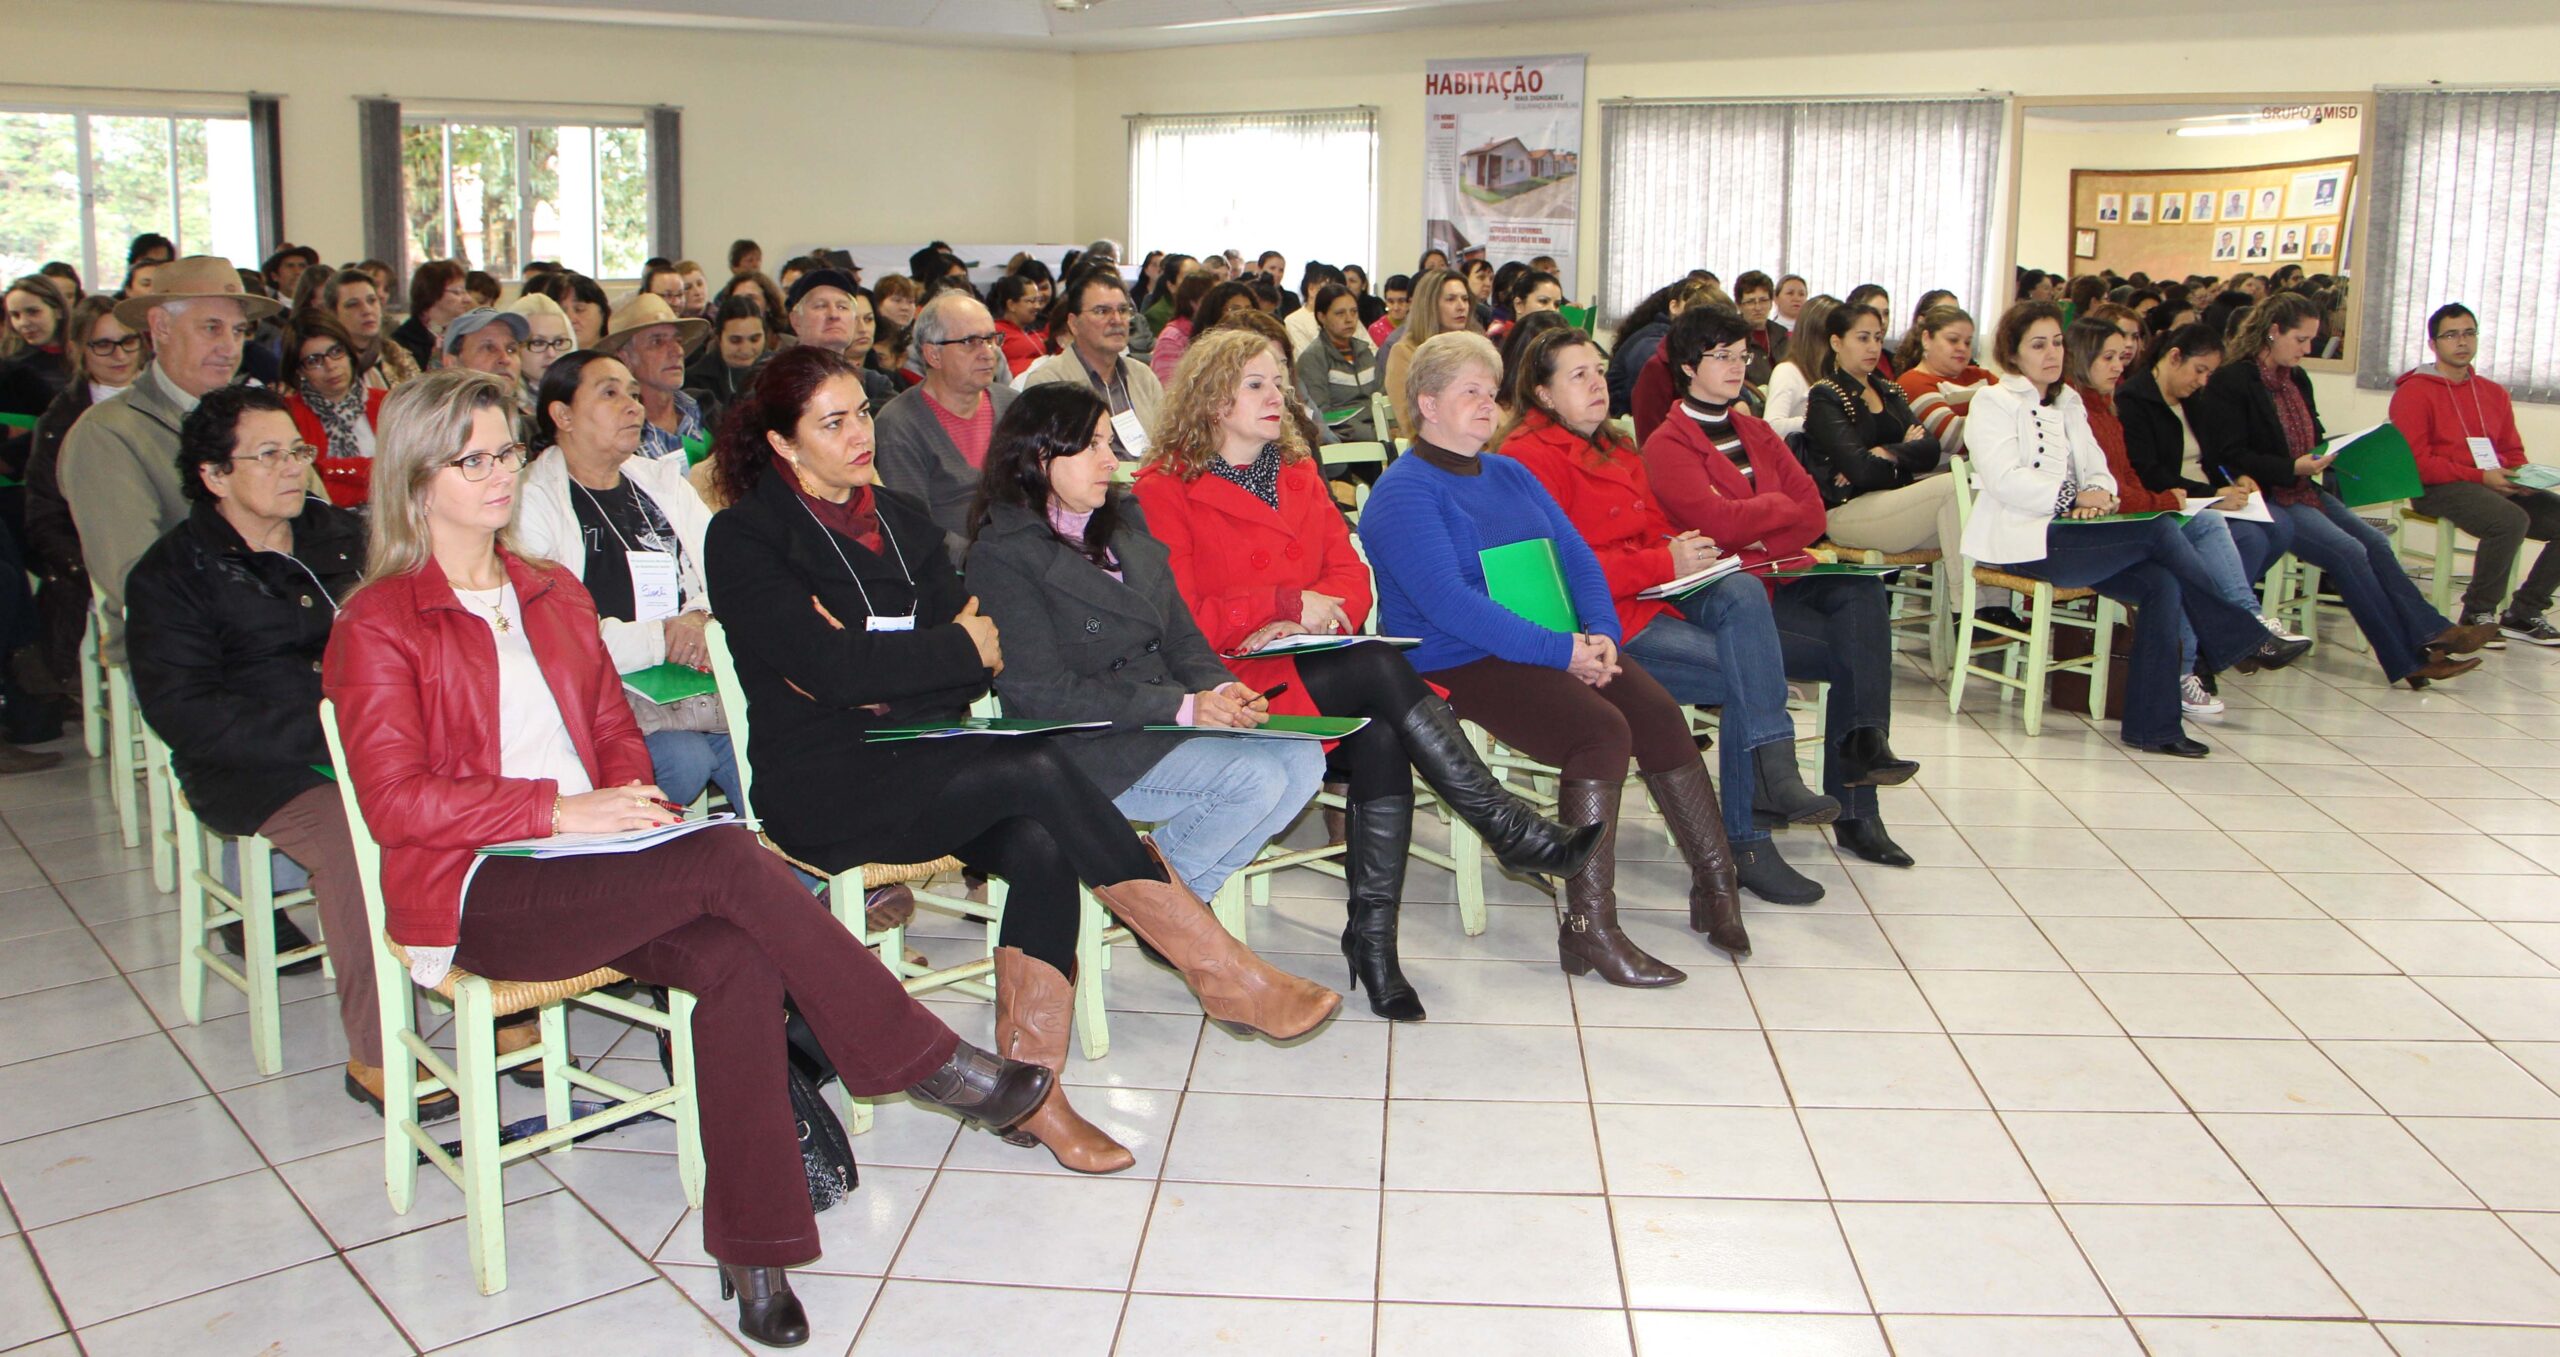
313,362
478,465
985,341
1120,312
109,348
554,346
277,459
2441,335
1736,356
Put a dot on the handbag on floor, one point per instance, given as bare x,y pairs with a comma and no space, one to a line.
826,1152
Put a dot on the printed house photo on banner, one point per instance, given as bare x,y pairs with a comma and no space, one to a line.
2270,204
2235,204
2173,209
2137,210
2226,245
2110,207
2324,241
2289,244
2201,210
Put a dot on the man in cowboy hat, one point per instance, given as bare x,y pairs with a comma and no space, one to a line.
119,464
651,339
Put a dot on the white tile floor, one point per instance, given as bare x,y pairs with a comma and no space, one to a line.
2256,1055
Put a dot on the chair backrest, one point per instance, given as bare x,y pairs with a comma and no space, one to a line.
733,705
368,853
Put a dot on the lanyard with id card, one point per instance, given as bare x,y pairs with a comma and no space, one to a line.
1132,433
657,584
871,617
2484,454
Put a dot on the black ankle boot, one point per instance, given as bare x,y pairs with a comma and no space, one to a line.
1867,760
1773,878
767,1311
1377,835
1779,792
1521,839
1866,838
289,935
985,1089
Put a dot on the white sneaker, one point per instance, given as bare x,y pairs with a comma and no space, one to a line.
2278,628
2195,700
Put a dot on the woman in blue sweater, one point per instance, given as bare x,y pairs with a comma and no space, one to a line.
1564,698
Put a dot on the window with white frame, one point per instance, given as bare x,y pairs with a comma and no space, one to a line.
78,184
1302,183
1895,192
2462,212
495,193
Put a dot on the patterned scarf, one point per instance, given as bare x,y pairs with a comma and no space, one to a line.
338,417
2300,431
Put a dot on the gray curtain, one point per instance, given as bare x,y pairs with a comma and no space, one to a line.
378,161
666,182
2462,211
266,170
1793,188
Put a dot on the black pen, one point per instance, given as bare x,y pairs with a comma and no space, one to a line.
1273,691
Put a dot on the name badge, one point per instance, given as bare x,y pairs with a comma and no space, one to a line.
906,622
655,591
1131,433
2484,454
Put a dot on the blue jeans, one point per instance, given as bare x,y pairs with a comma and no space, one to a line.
1215,800
1721,650
2393,614
686,761
1836,629
2219,543
2151,566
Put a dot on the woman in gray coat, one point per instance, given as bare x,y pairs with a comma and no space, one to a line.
1094,630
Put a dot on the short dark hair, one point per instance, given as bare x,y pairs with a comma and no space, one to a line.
2191,340
1330,293
484,286
740,306
559,384
205,438
2013,327
739,250
1753,280
147,243
427,285
1044,423
1086,280
1397,282
2446,312
1527,281
1697,330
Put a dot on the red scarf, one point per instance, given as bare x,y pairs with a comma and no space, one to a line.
2300,430
857,518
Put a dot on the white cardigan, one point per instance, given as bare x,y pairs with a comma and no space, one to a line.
2021,449
1789,392
547,525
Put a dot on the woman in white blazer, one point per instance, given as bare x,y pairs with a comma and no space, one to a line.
630,528
2040,476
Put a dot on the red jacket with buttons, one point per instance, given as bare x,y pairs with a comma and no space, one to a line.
1611,503
1774,512
1241,566
415,677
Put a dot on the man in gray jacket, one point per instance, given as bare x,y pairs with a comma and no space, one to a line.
931,440
1098,316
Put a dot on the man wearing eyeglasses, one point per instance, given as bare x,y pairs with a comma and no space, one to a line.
120,462
1098,321
931,439
2462,430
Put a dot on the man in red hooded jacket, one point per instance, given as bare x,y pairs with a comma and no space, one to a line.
2463,432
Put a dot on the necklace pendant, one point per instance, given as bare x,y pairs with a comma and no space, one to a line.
501,621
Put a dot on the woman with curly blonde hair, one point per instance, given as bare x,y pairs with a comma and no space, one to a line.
1261,556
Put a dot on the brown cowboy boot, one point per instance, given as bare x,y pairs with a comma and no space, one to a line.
1687,800
1035,1006
1587,937
1233,985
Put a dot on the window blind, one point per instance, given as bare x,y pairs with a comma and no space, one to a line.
1303,183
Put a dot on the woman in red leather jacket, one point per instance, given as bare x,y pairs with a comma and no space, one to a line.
1260,553
479,705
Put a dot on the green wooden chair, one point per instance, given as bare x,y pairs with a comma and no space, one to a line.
1910,607
2027,656
93,685
1330,456
471,1075
206,901
124,749
2445,558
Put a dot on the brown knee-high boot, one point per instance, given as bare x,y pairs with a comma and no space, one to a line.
1588,937
1035,1006
1233,984
1687,800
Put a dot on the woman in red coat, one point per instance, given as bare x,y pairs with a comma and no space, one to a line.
1716,647
479,705
333,412
1724,473
1260,555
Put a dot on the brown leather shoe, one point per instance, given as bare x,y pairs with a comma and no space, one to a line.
2445,667
2461,640
1687,800
517,1032
888,907
1035,1006
1233,985
364,1084
1588,938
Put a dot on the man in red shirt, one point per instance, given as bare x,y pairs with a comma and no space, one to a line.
2462,430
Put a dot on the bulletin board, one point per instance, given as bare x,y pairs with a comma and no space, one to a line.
2148,220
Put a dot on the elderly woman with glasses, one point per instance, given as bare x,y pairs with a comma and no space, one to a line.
335,414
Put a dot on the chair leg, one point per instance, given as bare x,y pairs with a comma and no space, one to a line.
2446,546
120,761
258,962
159,788
554,1025
1231,904
2039,656
1093,1025
686,1111
475,1041
397,1008
1962,660
2102,646
1466,858
191,929
93,725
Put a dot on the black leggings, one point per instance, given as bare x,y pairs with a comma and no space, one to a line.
1372,681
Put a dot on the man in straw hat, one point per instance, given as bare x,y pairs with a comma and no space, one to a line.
119,464
651,340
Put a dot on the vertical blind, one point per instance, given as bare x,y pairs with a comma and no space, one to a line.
1199,184
379,175
1895,192
666,182
2462,211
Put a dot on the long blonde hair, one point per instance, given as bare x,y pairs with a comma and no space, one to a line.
1423,321
423,426
1190,423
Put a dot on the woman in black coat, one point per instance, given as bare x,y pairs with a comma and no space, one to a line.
1869,454
844,616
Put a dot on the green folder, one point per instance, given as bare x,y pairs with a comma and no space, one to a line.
696,447
17,421
2536,476
664,683
2061,522
977,725
1831,568
1579,317
326,771
1525,577
1284,728
2373,467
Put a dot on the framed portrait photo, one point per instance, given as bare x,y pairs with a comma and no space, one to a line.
2201,210
2268,205
2289,245
2261,240
2137,210
2173,209
2084,243
2226,245
2110,207
2235,204
2324,242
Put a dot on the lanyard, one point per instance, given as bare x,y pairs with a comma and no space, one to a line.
886,536
315,579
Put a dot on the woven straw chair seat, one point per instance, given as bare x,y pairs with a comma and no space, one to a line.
874,874
1829,551
2002,579
517,996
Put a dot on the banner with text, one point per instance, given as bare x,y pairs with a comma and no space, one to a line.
1502,166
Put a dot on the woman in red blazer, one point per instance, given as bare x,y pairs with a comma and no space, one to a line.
1717,647
1261,554
1726,474
479,705
332,412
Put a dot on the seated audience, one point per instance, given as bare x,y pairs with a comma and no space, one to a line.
547,336
2462,429
477,704
485,339
106,356
1442,304
1640,334
335,415
1015,303
1174,335
1339,371
1301,319
1531,292
583,299
353,297
2255,417
436,296
1939,374
1880,490
1161,304
1791,381
828,308
1562,697
1395,303
933,436
845,615
1873,297
1096,356
728,363
651,340
33,365
2151,404
1754,295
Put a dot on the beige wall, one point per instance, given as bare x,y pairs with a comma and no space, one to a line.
792,140
2048,156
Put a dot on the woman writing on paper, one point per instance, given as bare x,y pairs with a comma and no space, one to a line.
846,619
1260,554
1445,524
1716,647
2255,418
630,528
478,705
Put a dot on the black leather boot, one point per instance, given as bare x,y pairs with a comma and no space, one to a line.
985,1089
1867,760
1773,878
1521,839
1865,837
1587,936
767,1311
1779,792
1687,801
289,936
1378,835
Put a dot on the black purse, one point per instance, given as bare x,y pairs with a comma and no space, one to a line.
826,1152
